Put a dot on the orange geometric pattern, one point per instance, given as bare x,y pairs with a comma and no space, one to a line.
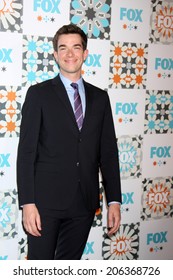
128,65
157,198
10,108
161,24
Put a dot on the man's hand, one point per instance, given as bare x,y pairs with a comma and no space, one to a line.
31,219
114,218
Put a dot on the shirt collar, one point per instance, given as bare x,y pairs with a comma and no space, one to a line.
67,82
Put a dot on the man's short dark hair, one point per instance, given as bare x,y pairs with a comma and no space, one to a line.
70,29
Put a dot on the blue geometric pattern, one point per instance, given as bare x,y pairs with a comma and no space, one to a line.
158,112
93,17
8,214
38,63
130,156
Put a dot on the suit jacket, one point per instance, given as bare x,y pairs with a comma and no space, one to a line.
54,156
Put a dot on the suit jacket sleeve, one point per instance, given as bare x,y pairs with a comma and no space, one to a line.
27,148
109,161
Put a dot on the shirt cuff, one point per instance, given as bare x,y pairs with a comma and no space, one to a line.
114,202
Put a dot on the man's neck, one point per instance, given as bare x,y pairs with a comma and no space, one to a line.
74,77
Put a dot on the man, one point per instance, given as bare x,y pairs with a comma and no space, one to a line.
61,150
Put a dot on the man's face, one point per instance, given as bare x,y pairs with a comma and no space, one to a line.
70,54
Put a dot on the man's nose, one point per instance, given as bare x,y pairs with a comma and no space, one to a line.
70,52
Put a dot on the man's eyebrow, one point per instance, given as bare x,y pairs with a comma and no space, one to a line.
75,45
62,45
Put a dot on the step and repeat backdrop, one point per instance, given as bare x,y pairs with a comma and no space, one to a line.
130,56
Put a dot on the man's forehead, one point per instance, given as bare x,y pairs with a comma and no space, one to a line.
70,38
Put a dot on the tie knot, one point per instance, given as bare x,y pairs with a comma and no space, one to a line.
74,85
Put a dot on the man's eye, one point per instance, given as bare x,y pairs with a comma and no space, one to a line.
77,48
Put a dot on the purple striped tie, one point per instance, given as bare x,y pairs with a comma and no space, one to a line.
77,106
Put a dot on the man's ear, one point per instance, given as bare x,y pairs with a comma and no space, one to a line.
55,54
86,52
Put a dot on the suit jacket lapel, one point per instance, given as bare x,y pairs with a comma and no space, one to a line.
61,93
89,99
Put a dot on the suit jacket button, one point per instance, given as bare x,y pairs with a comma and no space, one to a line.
77,163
